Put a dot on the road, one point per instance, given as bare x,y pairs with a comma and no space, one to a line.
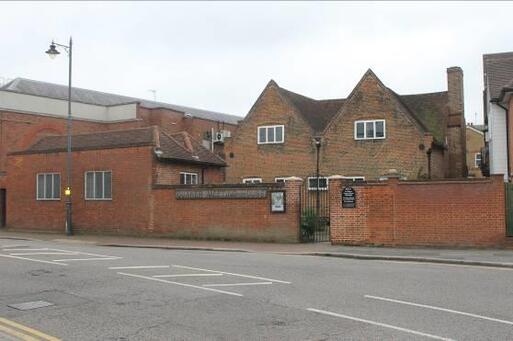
109,293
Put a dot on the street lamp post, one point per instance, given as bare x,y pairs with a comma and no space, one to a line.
318,146
53,52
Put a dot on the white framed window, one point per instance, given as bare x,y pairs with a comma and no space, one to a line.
312,183
477,160
280,179
188,178
354,178
369,130
48,186
252,180
98,185
271,134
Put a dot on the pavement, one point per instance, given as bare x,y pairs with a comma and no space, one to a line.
462,256
74,289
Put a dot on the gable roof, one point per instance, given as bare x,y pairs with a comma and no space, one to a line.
429,110
57,91
317,113
179,147
182,147
498,72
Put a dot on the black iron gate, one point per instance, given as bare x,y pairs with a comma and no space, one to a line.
315,211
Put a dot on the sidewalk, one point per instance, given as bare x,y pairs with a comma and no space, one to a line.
482,257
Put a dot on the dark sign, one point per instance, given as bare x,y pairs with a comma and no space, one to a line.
221,193
348,197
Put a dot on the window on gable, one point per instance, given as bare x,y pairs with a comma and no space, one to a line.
369,130
477,160
312,183
252,180
48,186
188,178
271,134
98,185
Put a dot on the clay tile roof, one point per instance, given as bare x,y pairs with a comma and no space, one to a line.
101,140
431,110
182,147
317,113
498,72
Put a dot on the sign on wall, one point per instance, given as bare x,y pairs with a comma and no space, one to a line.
221,193
278,201
348,197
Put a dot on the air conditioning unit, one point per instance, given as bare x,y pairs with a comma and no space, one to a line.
221,135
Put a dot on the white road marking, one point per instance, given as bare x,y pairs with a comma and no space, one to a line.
27,250
33,260
186,275
235,284
232,274
84,253
139,267
180,284
405,330
42,253
81,259
439,308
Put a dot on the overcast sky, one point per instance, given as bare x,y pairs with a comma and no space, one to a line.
220,55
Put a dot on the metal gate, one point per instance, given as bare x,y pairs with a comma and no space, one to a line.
508,189
315,212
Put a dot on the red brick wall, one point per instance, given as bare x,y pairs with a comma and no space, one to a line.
437,213
128,211
295,157
169,173
238,219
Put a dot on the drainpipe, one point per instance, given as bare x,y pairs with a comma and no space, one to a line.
507,138
429,151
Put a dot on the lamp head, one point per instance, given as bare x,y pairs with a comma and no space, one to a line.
52,51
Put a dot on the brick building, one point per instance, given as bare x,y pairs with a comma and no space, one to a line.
475,145
362,136
31,110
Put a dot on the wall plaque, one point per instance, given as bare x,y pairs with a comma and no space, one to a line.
221,193
278,201
348,197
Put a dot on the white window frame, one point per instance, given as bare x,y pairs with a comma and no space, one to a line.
252,180
365,137
475,159
53,174
94,185
266,134
354,178
320,188
191,175
280,179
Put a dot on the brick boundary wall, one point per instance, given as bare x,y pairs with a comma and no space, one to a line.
227,219
422,213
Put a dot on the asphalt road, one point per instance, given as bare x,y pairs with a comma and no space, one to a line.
109,293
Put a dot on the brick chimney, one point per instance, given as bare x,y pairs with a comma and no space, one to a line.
456,132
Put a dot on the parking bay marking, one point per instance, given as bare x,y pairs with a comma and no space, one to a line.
85,259
180,284
139,267
33,260
232,274
235,284
357,319
186,275
438,308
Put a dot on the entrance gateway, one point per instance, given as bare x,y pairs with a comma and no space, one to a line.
314,225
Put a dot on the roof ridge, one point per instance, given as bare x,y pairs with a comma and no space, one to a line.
422,93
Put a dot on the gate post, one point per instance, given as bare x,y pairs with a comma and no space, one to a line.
335,188
293,186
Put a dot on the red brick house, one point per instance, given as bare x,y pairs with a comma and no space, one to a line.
30,110
364,135
112,177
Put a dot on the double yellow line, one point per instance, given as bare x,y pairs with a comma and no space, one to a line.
23,332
